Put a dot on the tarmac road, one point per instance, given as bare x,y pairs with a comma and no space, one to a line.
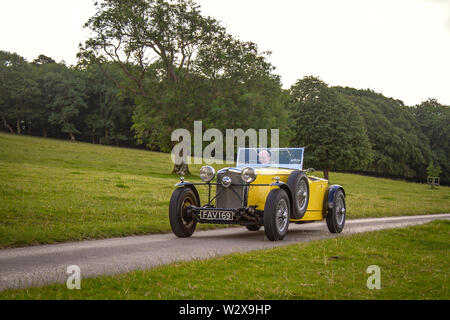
40,265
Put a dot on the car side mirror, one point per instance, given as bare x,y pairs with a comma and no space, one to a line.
310,170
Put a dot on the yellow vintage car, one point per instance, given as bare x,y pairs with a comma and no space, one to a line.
268,187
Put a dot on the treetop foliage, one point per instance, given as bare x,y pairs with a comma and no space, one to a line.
329,126
400,147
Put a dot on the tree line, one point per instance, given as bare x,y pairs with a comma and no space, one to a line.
361,130
49,99
152,66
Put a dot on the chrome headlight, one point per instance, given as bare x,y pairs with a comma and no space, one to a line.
248,175
207,173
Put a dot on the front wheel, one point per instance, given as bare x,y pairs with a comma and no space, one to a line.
276,215
182,222
336,217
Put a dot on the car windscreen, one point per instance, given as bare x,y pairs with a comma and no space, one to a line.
288,158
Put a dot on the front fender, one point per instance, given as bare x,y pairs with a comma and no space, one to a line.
187,184
329,198
286,188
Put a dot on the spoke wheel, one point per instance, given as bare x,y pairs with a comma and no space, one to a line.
282,215
337,215
302,195
276,215
340,210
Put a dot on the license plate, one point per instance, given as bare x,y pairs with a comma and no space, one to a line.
216,215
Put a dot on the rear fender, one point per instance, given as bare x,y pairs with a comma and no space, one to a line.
329,198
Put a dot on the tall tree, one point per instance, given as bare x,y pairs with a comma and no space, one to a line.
164,49
108,116
44,65
329,126
135,33
67,89
434,121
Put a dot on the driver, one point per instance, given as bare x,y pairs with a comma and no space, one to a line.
264,157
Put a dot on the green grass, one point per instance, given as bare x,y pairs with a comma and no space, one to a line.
413,261
53,191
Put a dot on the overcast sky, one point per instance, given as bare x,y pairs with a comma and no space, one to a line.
400,48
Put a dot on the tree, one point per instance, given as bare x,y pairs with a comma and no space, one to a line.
43,59
329,126
18,91
134,34
108,116
164,49
67,90
241,83
434,121
433,171
400,148
43,66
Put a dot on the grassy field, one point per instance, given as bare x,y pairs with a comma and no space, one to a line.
53,191
413,262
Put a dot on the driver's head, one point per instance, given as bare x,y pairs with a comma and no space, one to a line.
263,156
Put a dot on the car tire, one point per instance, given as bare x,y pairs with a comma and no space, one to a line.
253,227
299,185
337,215
276,215
183,225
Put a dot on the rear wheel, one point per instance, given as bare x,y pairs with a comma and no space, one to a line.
276,215
336,217
181,221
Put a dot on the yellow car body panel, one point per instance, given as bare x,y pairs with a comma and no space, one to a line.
257,195
317,192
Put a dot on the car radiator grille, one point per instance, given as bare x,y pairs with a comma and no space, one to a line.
227,198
